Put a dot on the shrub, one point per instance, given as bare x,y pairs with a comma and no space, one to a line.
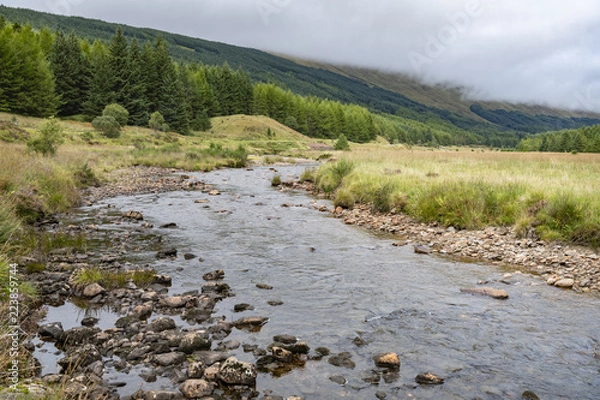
85,176
108,126
342,143
308,175
344,198
330,176
157,122
382,197
276,180
48,139
118,112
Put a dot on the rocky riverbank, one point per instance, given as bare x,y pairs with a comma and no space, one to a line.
560,265
195,357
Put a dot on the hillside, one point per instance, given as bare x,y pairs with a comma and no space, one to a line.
494,124
446,97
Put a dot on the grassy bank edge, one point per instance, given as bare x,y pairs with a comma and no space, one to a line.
551,215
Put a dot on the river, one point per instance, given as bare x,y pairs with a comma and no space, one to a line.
339,283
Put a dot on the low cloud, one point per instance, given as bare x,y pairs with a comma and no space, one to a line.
542,51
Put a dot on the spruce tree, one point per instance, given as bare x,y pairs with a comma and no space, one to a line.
136,101
100,94
71,73
118,61
35,89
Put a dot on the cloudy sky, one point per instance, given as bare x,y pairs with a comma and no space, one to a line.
543,51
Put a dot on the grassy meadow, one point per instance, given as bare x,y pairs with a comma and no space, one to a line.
555,195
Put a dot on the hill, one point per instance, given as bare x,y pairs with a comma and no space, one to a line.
447,97
494,124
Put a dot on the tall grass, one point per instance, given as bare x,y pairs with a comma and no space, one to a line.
554,195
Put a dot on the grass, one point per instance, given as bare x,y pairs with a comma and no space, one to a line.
113,279
553,194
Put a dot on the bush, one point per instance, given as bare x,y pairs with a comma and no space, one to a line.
276,180
382,198
330,176
344,198
48,139
118,112
342,143
108,126
85,176
157,122
308,175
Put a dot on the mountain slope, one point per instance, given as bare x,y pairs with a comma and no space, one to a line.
383,93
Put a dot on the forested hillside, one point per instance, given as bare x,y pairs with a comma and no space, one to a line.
205,79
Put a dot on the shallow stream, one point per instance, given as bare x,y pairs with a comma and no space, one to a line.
338,283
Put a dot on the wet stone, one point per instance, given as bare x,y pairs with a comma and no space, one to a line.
387,360
235,372
427,378
371,377
52,330
285,339
264,286
242,307
89,321
195,341
196,388
487,291
189,256
167,253
168,359
214,275
340,380
210,357
342,360
162,324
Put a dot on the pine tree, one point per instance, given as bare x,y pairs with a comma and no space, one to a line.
118,61
170,97
36,90
100,94
136,101
71,73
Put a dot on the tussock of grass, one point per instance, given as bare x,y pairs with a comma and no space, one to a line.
113,279
553,195
192,158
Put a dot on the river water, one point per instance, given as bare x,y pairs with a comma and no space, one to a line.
339,283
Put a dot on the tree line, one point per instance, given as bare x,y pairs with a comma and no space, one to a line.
582,140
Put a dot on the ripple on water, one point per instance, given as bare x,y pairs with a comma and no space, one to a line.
354,283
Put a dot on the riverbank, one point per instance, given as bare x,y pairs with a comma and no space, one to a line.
558,264
98,266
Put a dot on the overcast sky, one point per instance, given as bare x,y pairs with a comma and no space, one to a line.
543,51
